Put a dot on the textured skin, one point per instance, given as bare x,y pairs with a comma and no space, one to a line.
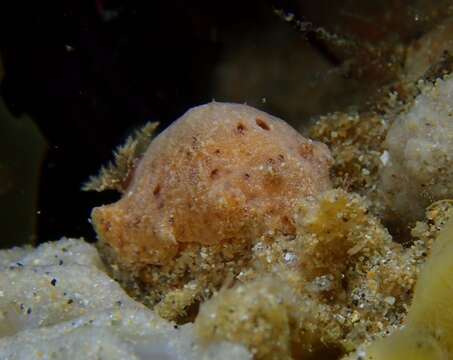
221,173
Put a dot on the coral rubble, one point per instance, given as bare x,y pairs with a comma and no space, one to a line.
340,281
427,333
356,142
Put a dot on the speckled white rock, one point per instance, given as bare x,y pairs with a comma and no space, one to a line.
419,169
57,303
65,251
114,334
9,256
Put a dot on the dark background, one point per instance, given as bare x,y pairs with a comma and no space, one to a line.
89,72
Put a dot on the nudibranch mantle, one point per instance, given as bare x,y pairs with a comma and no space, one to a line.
220,173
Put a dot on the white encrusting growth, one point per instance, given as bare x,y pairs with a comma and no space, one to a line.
419,167
57,303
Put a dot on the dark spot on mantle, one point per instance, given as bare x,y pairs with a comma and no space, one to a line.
240,128
262,124
214,174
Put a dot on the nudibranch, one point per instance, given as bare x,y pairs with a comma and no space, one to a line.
222,174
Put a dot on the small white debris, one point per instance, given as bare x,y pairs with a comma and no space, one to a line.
289,17
361,355
290,258
321,283
385,157
390,300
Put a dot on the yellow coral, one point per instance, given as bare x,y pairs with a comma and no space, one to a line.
340,227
